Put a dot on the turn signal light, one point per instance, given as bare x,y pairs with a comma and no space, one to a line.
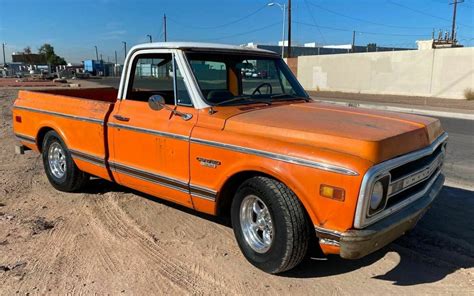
332,192
18,119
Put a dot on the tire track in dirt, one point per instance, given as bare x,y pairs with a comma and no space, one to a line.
119,224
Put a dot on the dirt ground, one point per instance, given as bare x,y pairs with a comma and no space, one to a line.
111,240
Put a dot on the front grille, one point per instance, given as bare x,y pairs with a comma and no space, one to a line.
399,197
413,166
411,178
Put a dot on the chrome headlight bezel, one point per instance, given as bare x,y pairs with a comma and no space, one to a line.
383,182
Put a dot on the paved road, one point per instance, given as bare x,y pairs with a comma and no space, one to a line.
459,165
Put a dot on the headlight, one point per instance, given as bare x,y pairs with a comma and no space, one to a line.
377,196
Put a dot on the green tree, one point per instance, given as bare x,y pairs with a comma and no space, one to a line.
49,56
372,47
27,54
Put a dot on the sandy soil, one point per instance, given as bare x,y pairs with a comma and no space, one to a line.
111,240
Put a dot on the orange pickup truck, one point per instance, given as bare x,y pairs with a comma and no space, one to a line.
228,130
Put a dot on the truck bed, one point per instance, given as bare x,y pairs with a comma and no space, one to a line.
96,94
77,115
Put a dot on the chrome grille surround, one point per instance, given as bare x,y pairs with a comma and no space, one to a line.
428,173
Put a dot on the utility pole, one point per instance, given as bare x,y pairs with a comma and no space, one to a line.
115,66
289,29
101,58
96,53
453,29
124,50
149,37
164,27
3,49
353,40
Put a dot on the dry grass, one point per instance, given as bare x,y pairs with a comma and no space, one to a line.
469,94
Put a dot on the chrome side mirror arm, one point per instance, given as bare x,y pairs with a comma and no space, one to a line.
157,103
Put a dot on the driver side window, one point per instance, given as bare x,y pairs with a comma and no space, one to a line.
152,74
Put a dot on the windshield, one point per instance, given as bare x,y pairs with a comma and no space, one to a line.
224,78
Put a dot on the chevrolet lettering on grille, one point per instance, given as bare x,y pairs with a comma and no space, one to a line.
415,178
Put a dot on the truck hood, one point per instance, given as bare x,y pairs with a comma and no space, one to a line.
372,135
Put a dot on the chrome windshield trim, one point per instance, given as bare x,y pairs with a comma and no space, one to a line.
279,157
381,169
64,115
148,131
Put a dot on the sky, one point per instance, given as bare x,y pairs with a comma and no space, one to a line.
74,27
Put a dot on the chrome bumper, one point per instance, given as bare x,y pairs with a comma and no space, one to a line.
358,243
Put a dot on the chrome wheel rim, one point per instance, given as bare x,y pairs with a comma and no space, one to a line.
57,160
256,224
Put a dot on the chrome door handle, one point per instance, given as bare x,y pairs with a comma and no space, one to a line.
121,118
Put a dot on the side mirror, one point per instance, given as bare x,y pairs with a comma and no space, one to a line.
156,102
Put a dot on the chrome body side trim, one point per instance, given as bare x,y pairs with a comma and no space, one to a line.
202,192
64,115
176,184
148,131
361,220
320,231
330,242
25,138
280,157
97,160
150,177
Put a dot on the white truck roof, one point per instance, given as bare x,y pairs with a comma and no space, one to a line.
200,45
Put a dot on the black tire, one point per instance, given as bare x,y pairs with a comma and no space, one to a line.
73,178
291,232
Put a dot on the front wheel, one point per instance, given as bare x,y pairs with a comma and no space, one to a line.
270,225
59,166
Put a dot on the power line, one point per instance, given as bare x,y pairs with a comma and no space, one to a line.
363,32
423,13
245,33
314,20
364,20
221,25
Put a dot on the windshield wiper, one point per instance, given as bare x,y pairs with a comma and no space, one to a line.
242,99
211,110
282,96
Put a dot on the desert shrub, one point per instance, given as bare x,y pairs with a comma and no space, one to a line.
469,94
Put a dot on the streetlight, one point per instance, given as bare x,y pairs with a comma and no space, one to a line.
96,53
283,9
125,48
149,37
3,49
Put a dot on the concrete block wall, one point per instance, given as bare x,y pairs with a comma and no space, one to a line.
442,73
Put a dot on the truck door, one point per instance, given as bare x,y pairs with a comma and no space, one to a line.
149,148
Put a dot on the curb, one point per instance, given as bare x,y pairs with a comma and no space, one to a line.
403,110
455,184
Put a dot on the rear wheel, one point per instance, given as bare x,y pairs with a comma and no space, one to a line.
270,224
59,166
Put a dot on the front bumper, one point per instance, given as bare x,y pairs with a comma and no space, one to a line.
354,244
